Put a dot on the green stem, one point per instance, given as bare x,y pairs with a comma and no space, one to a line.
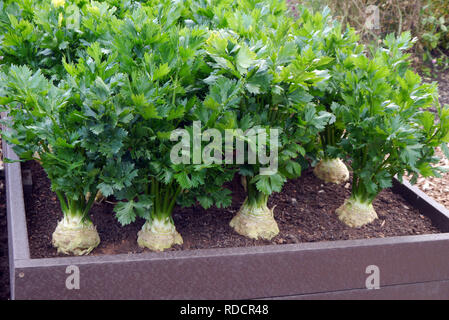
62,201
359,191
333,138
164,199
255,198
323,140
173,200
365,155
328,138
75,208
328,135
89,205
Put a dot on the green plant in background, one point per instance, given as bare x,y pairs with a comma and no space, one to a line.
435,35
41,34
427,20
388,130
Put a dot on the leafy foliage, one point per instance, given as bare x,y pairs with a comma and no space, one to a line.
94,90
73,129
164,67
388,129
41,34
272,71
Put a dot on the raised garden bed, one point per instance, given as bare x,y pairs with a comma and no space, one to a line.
410,266
304,212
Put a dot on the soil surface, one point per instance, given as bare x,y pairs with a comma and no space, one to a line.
4,269
304,212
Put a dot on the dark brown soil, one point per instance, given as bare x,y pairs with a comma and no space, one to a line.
304,212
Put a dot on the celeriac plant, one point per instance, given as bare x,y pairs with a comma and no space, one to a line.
327,37
42,35
388,129
274,76
165,68
74,131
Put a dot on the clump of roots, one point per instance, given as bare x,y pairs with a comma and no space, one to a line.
332,170
158,235
255,222
356,213
75,237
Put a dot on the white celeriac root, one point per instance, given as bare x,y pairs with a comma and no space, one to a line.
255,222
332,170
158,235
75,236
355,213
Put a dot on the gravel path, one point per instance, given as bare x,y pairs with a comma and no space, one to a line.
443,80
437,188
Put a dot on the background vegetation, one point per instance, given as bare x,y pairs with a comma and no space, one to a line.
428,20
